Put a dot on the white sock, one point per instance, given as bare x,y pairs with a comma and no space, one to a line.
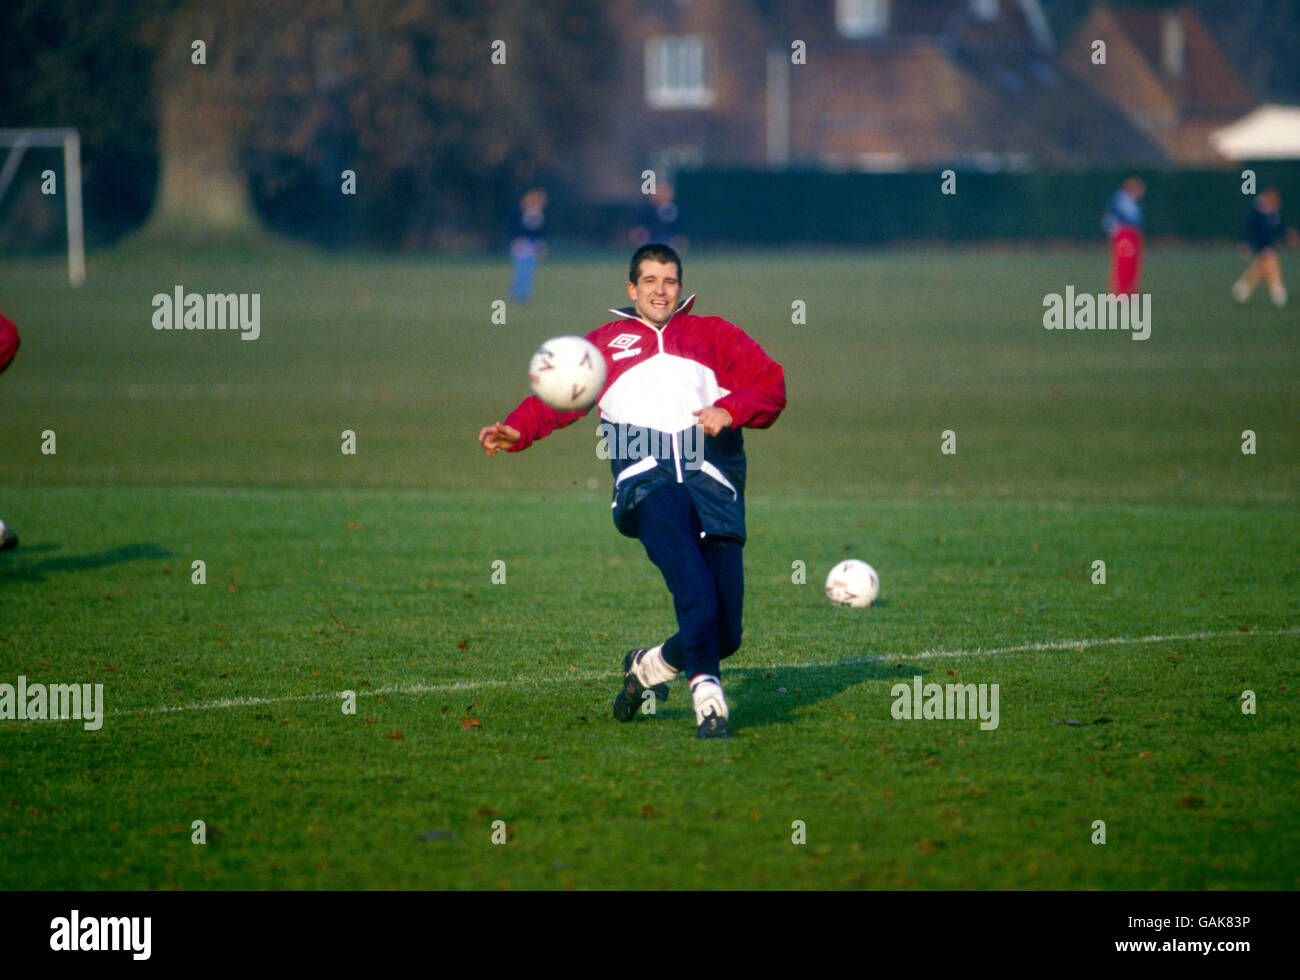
706,692
653,669
1278,296
1240,291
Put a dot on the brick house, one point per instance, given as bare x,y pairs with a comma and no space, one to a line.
886,84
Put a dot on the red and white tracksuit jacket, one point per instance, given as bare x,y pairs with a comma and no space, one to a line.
655,378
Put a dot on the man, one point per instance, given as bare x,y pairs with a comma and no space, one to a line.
528,246
657,220
8,348
1264,227
1123,224
678,390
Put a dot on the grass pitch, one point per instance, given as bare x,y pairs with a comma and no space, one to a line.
481,701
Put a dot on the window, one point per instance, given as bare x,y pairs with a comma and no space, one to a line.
862,18
677,72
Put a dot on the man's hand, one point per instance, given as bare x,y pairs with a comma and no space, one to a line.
497,437
713,419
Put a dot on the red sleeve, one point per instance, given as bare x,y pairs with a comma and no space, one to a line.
535,419
756,382
8,341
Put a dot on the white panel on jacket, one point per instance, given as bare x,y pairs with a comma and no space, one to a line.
660,393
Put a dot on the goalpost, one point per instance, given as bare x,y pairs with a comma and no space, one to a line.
18,140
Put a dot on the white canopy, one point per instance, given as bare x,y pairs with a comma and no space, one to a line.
1271,132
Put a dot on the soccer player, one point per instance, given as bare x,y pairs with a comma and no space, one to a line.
8,348
1264,227
1123,225
678,390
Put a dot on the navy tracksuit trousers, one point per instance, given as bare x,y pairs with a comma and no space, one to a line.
704,575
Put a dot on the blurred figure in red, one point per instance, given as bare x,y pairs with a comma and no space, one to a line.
8,348
1123,224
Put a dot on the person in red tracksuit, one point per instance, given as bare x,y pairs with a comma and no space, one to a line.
8,348
1123,225
678,390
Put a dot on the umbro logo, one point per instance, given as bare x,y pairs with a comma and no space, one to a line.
623,344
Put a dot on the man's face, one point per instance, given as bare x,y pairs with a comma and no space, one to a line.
656,291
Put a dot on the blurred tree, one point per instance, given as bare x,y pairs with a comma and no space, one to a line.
442,108
201,100
67,63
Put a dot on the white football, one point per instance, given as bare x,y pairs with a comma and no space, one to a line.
567,373
852,583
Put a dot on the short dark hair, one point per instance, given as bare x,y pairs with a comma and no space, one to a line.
656,253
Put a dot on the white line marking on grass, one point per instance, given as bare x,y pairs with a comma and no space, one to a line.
390,689
1076,645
